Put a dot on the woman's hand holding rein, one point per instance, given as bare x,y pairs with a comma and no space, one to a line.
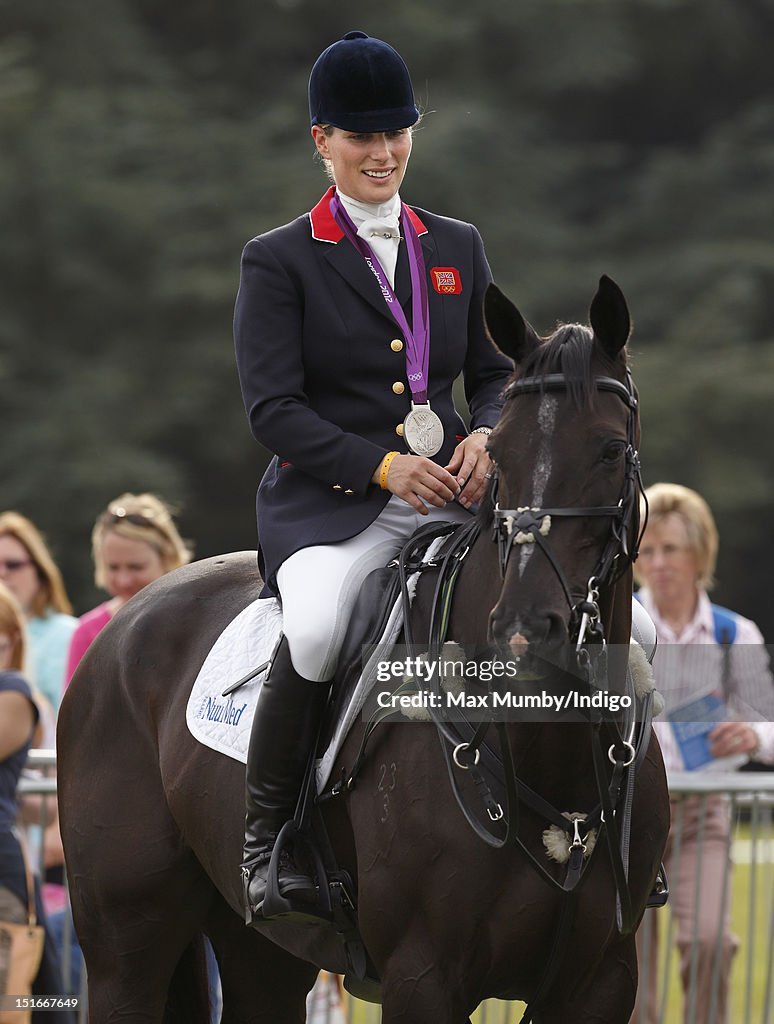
472,467
421,482
417,480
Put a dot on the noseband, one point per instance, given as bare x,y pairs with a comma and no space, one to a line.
532,525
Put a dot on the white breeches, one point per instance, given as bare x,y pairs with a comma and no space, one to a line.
319,585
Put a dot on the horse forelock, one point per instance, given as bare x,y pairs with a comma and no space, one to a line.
571,351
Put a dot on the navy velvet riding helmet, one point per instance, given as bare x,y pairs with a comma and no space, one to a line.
361,84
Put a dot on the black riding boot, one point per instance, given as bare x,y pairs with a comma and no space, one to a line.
284,728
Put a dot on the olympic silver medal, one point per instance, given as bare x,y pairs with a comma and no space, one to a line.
423,431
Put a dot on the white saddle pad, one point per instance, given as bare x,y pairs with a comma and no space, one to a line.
224,723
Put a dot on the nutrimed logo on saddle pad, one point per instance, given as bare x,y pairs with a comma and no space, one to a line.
224,712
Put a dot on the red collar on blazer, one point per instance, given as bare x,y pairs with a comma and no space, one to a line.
325,228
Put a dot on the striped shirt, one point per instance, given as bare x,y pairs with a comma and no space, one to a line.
692,665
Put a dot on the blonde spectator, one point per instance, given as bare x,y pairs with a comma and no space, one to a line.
134,542
30,573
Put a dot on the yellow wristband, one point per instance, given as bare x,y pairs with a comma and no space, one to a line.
385,468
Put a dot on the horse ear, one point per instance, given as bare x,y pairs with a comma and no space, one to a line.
609,316
507,327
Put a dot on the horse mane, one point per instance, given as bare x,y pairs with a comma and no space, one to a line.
570,350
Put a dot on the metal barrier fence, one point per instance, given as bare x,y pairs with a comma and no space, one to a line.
708,957
705,959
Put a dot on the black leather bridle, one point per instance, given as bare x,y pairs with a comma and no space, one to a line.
515,525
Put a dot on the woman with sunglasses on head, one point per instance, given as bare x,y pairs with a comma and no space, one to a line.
134,542
30,573
351,325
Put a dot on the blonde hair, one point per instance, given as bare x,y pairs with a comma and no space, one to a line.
666,499
51,594
12,623
140,517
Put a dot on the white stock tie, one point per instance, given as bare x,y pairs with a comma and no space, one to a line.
383,235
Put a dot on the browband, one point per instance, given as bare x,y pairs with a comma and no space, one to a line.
559,382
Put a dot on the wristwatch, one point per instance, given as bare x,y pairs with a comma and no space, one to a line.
482,430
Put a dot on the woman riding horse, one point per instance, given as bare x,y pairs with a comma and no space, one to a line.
352,323
152,819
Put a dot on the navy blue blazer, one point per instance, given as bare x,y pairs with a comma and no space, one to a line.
323,370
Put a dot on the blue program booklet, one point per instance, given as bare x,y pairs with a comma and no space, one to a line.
692,723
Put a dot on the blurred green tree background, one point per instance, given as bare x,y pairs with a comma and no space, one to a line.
141,144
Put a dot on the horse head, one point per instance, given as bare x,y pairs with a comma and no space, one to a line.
564,499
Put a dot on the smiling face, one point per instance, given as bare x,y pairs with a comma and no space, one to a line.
367,166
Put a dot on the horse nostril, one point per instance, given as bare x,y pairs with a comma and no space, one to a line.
548,630
557,629
501,628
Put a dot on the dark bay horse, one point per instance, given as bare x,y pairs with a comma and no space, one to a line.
152,822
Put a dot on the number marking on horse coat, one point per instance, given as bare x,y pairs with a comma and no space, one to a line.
386,784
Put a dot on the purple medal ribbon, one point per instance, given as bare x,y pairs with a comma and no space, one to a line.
418,338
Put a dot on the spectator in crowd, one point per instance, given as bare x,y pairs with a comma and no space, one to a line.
133,543
696,662
18,720
29,571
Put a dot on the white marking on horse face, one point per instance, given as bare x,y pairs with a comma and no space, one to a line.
546,424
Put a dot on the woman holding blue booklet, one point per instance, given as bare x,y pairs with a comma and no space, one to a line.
712,668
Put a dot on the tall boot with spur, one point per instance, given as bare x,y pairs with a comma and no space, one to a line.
285,726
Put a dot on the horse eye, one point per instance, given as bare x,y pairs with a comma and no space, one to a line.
613,451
